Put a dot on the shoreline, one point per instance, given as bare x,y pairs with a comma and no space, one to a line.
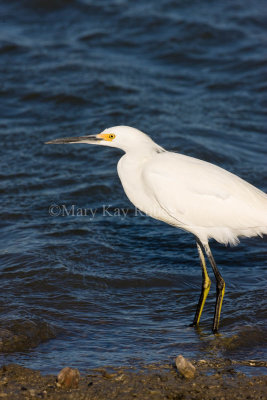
217,379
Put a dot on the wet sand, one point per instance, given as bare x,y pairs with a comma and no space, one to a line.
217,379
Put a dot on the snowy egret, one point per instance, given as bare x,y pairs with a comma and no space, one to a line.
187,193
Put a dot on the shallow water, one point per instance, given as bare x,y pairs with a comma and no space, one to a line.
109,288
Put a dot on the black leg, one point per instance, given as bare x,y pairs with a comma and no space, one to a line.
206,282
220,289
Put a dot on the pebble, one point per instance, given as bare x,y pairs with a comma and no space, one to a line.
68,378
107,375
120,377
186,369
3,381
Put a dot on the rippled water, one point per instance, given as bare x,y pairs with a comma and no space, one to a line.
109,289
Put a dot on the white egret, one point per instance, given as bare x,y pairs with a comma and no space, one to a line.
187,193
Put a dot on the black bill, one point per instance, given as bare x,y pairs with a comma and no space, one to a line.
79,139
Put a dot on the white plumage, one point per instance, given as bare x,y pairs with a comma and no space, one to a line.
202,198
191,194
188,193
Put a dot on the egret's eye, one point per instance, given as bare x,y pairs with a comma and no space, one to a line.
107,136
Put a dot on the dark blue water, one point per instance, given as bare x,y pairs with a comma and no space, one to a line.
109,289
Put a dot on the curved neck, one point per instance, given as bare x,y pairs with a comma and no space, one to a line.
145,149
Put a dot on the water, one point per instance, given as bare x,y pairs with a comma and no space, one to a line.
88,291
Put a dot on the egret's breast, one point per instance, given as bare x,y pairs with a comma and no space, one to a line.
131,176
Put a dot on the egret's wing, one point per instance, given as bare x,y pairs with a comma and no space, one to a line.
197,193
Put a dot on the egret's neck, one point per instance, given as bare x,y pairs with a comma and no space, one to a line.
144,150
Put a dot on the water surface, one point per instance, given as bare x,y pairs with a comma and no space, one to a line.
111,289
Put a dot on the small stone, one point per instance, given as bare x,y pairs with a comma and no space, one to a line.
3,381
154,392
32,392
107,375
68,378
186,369
120,377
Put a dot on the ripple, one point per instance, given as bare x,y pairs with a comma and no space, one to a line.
6,47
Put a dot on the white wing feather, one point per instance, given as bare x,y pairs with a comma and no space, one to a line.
201,195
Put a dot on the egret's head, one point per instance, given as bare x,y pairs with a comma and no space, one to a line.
122,137
125,138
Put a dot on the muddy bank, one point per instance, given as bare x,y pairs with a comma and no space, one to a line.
218,380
